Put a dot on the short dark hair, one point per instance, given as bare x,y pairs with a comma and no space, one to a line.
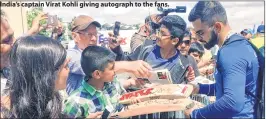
188,33
95,58
176,25
208,12
196,47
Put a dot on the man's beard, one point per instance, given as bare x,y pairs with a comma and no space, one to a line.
212,42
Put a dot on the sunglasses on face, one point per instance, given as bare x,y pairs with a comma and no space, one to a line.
187,42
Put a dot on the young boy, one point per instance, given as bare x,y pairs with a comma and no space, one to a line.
196,51
100,89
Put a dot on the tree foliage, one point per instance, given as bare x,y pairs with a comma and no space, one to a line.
30,17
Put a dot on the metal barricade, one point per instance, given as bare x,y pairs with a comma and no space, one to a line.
204,99
161,115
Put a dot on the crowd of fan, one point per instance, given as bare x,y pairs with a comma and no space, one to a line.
41,79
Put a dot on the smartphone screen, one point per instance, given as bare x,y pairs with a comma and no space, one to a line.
186,74
52,20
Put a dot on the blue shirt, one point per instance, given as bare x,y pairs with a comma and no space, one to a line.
76,74
150,53
156,61
238,68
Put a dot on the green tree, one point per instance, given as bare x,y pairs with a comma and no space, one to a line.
69,26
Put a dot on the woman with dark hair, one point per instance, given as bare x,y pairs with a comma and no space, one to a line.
38,70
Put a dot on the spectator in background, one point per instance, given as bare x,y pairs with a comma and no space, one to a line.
247,33
145,31
7,40
184,47
258,41
84,34
193,36
38,70
59,30
196,51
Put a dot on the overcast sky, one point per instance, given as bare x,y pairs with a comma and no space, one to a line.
241,15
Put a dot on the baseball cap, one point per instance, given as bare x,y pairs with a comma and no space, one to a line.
261,28
82,22
247,31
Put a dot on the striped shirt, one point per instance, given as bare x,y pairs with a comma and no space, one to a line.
86,99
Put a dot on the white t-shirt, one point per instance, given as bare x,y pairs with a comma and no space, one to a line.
3,85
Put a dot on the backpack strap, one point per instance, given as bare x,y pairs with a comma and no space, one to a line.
259,107
260,60
261,71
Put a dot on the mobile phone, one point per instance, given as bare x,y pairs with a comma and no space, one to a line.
116,30
52,20
185,74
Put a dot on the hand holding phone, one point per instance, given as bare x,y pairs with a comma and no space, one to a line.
38,23
52,20
116,30
189,74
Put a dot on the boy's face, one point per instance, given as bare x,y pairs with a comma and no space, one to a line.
164,38
196,56
108,74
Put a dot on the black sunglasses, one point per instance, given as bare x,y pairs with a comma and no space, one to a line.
187,42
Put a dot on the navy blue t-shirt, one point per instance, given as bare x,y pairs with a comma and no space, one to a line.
156,61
